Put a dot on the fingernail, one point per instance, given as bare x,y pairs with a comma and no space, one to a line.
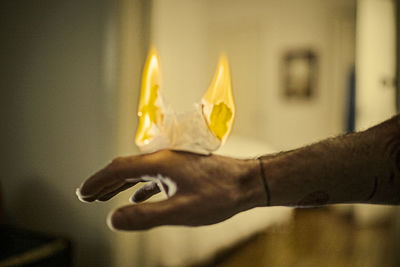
79,195
132,200
109,223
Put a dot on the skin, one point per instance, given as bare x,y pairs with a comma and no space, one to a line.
361,167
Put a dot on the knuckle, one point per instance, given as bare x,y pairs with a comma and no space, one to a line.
167,154
164,152
117,161
158,163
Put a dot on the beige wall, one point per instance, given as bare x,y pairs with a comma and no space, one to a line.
376,61
255,34
178,31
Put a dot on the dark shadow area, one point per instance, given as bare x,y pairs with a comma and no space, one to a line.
39,209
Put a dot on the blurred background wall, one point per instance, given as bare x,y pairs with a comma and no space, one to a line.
70,81
255,35
57,114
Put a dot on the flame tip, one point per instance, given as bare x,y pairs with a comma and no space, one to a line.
223,56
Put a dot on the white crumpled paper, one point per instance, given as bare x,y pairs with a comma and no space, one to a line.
186,131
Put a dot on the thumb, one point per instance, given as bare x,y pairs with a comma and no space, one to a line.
148,215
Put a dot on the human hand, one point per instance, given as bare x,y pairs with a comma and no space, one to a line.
210,189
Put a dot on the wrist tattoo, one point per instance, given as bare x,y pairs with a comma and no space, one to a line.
264,179
374,189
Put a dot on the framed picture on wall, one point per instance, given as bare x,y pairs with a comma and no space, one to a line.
299,74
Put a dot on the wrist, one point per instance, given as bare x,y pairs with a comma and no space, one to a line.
251,186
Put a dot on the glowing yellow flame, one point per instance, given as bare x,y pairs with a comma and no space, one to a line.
149,111
218,103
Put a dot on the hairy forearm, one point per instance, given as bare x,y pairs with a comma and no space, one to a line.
361,167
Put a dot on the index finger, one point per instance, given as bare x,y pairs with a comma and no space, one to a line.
115,173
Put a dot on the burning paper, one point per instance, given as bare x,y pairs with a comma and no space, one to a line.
201,130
